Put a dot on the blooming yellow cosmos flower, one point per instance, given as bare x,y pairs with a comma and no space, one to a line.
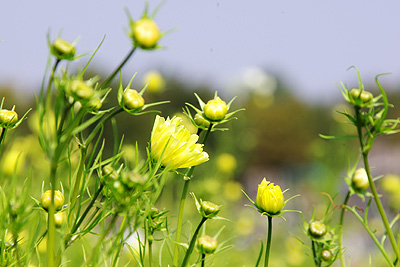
269,197
173,144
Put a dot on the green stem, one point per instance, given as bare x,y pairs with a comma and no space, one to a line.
372,235
203,259
101,123
268,248
2,138
51,227
188,176
341,255
192,242
150,252
107,82
365,149
317,260
49,84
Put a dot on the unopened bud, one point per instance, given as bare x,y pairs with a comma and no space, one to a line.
8,117
326,255
360,179
131,99
207,244
215,109
200,121
59,199
317,229
145,33
210,209
63,48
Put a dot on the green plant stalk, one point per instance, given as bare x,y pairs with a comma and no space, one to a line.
78,178
203,259
317,261
372,235
107,82
192,242
120,234
182,204
150,252
51,227
2,138
374,191
269,237
341,255
50,83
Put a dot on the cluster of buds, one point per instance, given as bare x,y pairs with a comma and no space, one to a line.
324,240
121,182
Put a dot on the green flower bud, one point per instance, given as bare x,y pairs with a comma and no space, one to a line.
81,90
109,171
63,48
207,244
59,199
366,96
95,104
326,255
209,209
200,121
317,229
131,99
355,93
145,33
360,179
215,109
131,179
8,117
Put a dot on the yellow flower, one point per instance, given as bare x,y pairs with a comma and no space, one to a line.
173,144
155,81
269,197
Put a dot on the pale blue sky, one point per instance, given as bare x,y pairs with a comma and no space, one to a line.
310,43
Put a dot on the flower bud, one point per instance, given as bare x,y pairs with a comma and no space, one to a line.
200,121
109,171
132,178
215,109
317,229
326,255
360,179
366,96
131,99
59,219
81,90
63,48
355,93
95,104
59,199
207,244
8,117
209,209
269,197
145,33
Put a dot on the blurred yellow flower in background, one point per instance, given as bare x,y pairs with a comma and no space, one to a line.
174,146
226,163
269,197
233,190
154,80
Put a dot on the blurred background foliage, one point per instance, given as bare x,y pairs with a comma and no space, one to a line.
276,137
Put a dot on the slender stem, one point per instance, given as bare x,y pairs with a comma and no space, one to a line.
268,248
203,259
317,261
107,82
150,252
341,255
365,149
371,234
180,218
192,242
2,138
51,227
49,84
